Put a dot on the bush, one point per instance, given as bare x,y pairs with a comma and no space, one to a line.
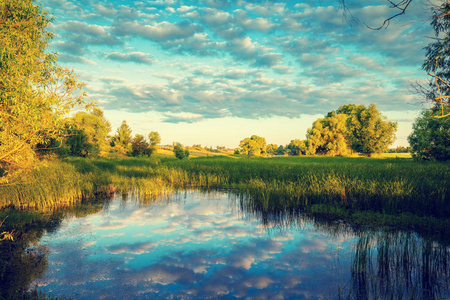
180,151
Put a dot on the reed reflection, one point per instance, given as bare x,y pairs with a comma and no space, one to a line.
386,263
399,265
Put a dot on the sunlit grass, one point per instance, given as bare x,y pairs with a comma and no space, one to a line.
388,185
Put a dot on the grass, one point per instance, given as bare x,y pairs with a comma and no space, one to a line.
390,186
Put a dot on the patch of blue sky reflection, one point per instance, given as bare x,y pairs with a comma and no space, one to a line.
197,246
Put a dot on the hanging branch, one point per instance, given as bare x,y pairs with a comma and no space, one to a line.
440,98
402,6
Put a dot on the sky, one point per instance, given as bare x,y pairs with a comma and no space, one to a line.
213,72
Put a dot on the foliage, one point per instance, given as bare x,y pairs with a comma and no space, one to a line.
88,138
255,145
5,235
400,149
35,91
353,127
297,147
78,144
430,138
121,141
272,149
100,114
329,135
154,138
180,151
281,150
437,62
140,146
370,132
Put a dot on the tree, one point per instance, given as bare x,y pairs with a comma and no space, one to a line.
180,151
88,136
271,149
78,144
297,147
35,92
255,145
437,62
154,138
430,138
124,134
140,146
99,113
121,140
369,131
280,150
354,127
329,135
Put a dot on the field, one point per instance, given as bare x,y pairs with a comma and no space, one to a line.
332,186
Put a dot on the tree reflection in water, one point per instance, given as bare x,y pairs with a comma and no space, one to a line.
21,262
19,267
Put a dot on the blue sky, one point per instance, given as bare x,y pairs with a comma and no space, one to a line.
213,72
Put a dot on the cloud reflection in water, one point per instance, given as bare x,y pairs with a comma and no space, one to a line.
199,245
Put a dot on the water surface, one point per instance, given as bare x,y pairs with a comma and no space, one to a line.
210,245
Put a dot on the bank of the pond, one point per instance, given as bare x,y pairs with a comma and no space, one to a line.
393,187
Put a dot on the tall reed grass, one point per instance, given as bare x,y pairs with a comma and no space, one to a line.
390,186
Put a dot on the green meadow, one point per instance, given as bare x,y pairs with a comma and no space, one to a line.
390,191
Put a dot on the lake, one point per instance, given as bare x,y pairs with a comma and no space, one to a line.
208,245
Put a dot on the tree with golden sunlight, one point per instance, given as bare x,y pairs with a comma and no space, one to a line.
35,93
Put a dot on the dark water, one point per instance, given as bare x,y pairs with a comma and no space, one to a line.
198,245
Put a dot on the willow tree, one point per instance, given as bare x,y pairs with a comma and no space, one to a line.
351,127
255,145
369,131
329,135
437,63
35,92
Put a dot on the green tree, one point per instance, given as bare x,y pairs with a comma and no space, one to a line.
88,138
99,113
271,149
437,62
180,151
78,144
315,138
351,127
369,131
255,145
154,138
430,138
330,136
122,139
297,147
280,150
35,92
140,146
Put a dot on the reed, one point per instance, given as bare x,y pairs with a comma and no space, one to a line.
390,186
